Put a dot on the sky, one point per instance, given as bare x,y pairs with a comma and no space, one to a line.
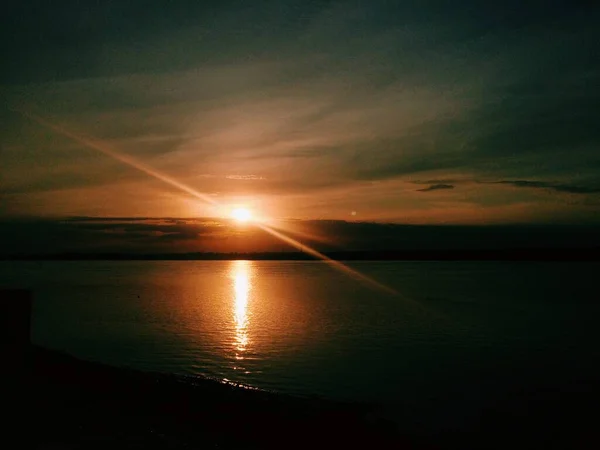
405,112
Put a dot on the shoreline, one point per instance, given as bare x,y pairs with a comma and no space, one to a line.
523,254
67,402
128,408
121,405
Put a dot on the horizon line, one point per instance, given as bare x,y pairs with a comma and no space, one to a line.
82,218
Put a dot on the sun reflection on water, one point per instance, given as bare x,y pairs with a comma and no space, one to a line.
240,274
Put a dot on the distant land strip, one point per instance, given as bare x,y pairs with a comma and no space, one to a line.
562,254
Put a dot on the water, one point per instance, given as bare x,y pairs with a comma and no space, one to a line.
459,333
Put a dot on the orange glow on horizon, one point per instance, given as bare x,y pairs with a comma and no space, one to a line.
242,215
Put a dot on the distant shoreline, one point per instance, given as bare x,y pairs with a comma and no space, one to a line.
589,254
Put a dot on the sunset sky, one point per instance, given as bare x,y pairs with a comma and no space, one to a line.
409,112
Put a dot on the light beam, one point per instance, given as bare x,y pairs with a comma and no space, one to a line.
106,149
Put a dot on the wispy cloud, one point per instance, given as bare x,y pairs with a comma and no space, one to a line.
245,177
436,187
559,187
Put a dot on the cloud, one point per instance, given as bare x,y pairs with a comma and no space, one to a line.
558,187
155,235
320,101
244,177
435,187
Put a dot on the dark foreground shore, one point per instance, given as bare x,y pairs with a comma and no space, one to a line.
51,400
66,403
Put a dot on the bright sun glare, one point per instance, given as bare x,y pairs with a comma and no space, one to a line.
241,215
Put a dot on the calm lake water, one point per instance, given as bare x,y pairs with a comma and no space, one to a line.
458,333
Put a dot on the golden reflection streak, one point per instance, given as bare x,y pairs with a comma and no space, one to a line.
102,147
240,274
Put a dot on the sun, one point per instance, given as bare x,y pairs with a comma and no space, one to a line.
241,215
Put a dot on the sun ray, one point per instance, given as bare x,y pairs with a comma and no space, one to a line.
336,264
106,149
291,230
103,147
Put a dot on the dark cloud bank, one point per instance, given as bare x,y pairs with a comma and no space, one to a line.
162,236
